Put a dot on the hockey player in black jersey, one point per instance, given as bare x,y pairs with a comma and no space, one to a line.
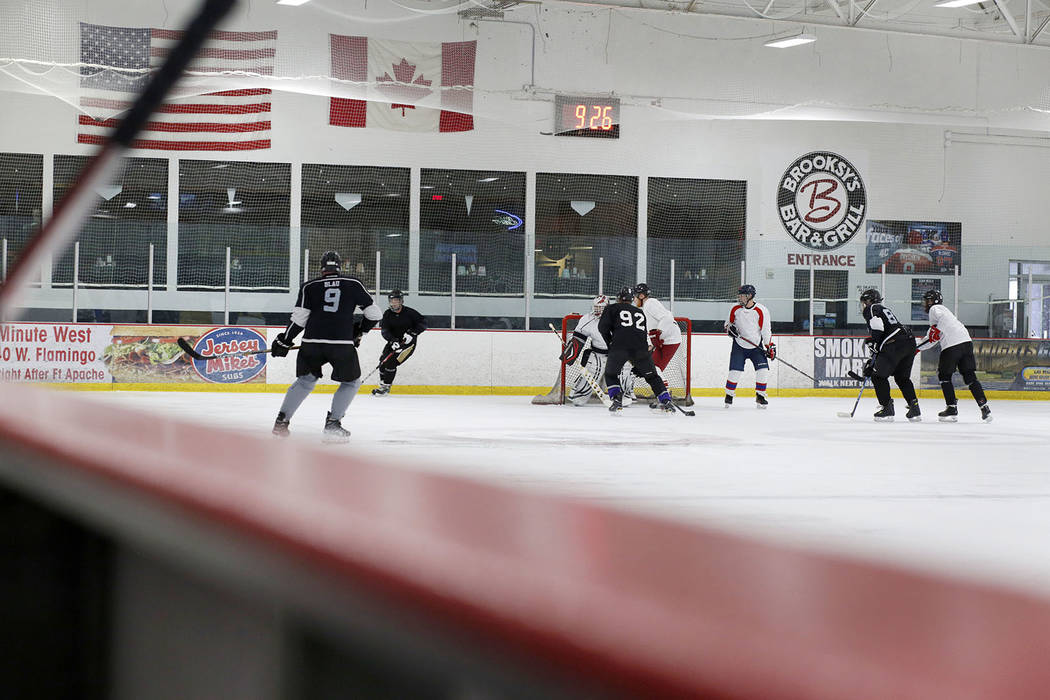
892,353
324,314
623,326
401,325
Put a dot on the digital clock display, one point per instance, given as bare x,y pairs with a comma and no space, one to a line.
596,117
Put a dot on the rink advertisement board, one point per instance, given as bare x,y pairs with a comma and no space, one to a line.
1006,364
833,358
90,353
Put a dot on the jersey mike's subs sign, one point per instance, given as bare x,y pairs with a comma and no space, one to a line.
89,353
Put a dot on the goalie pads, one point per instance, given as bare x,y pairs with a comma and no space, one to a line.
581,390
572,350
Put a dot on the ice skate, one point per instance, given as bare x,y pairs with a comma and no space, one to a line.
761,401
914,414
986,413
617,405
280,426
949,415
381,390
728,401
333,431
885,413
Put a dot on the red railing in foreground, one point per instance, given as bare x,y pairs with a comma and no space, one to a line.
645,607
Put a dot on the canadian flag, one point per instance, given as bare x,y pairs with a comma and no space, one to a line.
407,86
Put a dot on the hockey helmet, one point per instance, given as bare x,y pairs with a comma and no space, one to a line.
642,289
870,296
932,297
626,294
397,300
396,294
748,289
599,304
330,263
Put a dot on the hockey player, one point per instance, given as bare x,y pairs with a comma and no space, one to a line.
892,353
623,326
592,359
664,334
401,325
751,327
324,314
956,353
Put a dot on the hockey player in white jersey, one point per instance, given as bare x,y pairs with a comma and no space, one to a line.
956,353
664,334
592,358
751,327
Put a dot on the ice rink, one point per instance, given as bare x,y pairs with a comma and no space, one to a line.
966,498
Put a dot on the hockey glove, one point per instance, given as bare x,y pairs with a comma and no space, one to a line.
572,351
869,367
357,334
280,346
935,334
408,339
732,331
655,341
771,351
396,346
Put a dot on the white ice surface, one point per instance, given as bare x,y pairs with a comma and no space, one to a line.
969,498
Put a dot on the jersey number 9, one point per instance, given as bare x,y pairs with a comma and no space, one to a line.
331,298
638,320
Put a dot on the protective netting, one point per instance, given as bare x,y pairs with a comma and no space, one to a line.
677,374
239,210
586,234
112,248
357,211
471,233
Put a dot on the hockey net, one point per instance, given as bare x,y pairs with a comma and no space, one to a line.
676,374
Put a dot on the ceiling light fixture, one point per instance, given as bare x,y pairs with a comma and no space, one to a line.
293,3
958,3
796,40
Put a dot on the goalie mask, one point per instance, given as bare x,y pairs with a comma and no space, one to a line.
600,302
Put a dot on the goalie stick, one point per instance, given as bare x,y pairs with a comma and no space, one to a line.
595,387
188,349
863,386
748,340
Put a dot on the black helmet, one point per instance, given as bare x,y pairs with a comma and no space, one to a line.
626,294
396,294
931,297
330,263
870,296
642,288
748,289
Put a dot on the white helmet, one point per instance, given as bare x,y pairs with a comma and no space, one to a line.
600,302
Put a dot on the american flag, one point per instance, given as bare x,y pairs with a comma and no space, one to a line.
118,61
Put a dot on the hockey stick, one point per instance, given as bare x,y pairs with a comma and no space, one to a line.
369,375
188,349
595,387
104,167
863,386
748,340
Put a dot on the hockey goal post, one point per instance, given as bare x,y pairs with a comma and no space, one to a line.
677,374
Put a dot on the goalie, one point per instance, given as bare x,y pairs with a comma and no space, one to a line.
401,325
591,360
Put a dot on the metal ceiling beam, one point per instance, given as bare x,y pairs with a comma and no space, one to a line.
838,10
1040,30
863,13
1001,5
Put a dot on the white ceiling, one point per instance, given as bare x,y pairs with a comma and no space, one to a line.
1003,21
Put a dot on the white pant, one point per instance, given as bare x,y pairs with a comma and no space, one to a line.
580,392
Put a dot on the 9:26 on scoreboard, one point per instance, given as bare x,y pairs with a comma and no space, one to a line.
594,117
